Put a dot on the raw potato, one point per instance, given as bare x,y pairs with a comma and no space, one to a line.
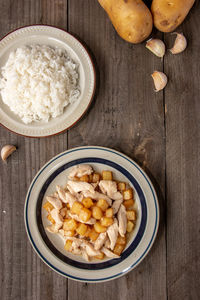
131,18
169,14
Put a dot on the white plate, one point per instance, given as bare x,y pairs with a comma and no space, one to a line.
47,35
50,247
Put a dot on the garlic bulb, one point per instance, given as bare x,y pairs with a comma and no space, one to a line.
180,43
156,46
6,151
160,80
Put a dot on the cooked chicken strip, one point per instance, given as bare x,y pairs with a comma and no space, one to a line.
109,188
56,216
109,253
80,170
80,186
70,198
122,220
90,249
107,243
55,202
63,212
112,232
116,205
85,255
61,193
97,196
54,228
91,221
100,241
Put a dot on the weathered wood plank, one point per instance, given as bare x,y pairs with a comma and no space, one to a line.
183,160
23,275
126,115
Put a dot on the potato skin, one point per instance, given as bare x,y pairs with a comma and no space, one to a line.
169,14
131,18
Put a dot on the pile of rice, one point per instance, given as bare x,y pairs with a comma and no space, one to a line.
38,82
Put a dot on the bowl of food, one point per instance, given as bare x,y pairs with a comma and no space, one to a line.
91,214
47,80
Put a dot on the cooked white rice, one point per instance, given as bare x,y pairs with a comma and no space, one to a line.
38,82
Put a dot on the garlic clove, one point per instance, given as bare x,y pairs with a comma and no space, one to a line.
156,46
160,80
180,43
6,151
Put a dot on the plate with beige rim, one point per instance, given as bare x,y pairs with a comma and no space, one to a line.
50,247
53,37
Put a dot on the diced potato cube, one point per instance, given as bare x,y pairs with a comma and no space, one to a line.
121,186
96,177
99,228
69,233
100,256
90,178
84,178
49,217
93,235
48,206
128,194
97,212
81,229
105,221
65,219
118,249
87,202
107,175
85,214
76,207
103,204
109,212
68,206
128,203
130,226
87,233
75,178
70,224
121,240
131,215
68,245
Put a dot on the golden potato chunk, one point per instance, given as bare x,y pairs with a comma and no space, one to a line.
81,229
97,212
93,235
68,245
90,178
76,207
100,256
105,221
48,206
128,194
118,249
99,228
49,217
96,177
85,214
109,212
85,178
121,240
128,203
130,226
87,233
70,224
107,175
121,186
103,204
87,202
131,215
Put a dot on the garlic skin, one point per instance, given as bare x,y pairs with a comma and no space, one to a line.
180,43
160,80
6,151
156,46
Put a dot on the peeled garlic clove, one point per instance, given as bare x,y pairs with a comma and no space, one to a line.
6,151
180,43
160,80
156,46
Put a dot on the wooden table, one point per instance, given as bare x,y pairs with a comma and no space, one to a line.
159,130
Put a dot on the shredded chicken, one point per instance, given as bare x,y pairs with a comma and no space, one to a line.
100,241
55,202
56,216
113,234
61,193
96,195
109,188
122,219
116,205
80,170
109,253
91,221
80,186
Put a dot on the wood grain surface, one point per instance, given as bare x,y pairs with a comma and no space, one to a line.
160,131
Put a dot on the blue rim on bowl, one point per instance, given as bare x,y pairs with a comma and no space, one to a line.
134,244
